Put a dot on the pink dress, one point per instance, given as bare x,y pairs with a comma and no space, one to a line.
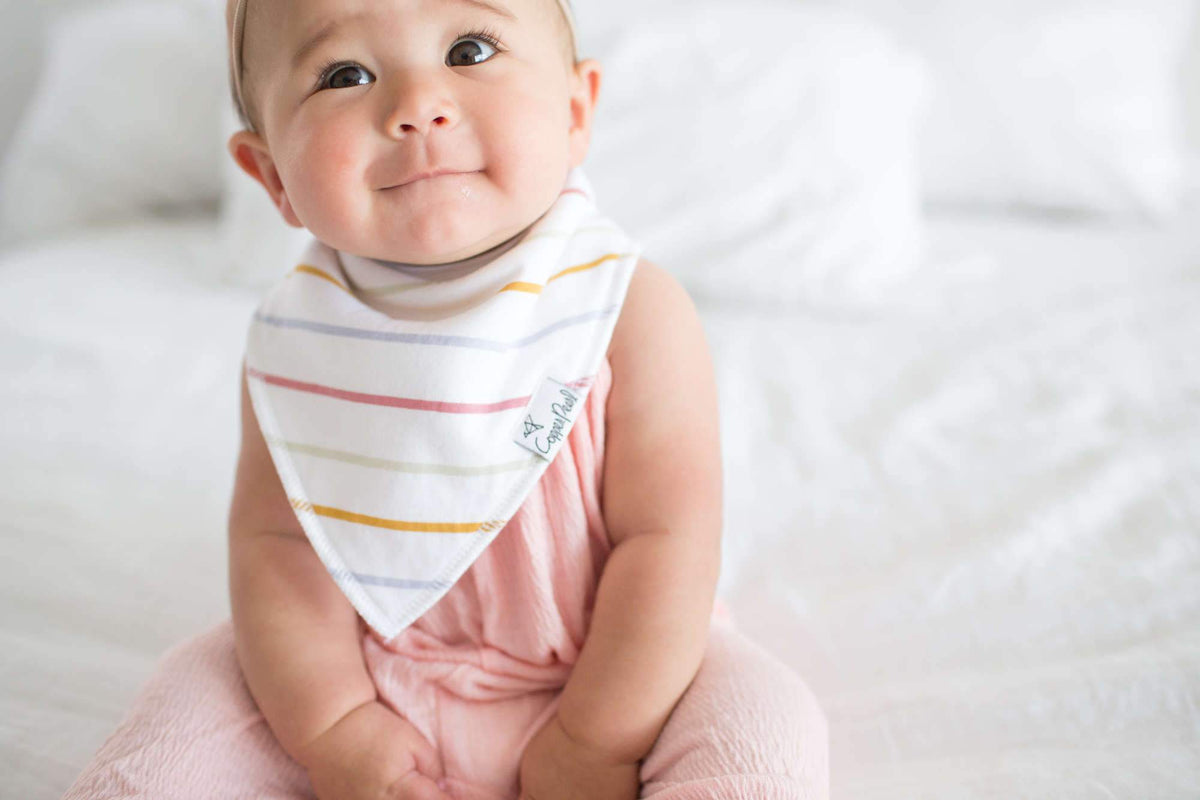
480,673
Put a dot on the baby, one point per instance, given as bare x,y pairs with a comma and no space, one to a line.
578,656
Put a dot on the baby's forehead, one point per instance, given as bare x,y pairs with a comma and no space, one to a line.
290,14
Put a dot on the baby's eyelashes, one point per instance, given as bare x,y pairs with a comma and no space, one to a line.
345,76
467,51
471,50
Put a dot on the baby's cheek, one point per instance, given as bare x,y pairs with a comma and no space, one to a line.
319,185
329,160
535,154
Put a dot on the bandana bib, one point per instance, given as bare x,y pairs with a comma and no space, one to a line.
408,417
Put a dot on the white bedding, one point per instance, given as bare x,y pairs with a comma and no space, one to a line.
970,520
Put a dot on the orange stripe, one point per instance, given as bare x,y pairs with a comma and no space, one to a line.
391,524
311,270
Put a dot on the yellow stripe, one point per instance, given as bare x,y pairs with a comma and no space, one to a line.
389,524
408,287
311,270
534,288
585,267
518,286
522,286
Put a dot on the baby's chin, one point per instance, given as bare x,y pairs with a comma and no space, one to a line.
433,222
434,241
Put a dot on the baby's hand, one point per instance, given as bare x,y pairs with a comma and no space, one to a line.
556,767
374,753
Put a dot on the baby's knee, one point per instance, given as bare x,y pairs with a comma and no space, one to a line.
745,714
201,654
203,669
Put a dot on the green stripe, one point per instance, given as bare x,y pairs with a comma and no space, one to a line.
401,466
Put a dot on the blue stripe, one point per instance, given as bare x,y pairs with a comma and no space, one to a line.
391,583
428,338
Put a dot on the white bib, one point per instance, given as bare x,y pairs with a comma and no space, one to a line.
409,418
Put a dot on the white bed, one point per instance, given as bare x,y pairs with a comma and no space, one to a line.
967,512
987,499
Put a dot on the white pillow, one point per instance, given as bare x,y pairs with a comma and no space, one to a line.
124,122
1074,105
762,151
750,172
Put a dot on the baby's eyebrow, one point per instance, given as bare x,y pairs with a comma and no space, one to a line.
325,31
320,35
492,7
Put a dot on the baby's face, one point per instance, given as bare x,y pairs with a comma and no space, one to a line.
419,131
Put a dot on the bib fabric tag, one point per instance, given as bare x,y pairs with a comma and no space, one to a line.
548,418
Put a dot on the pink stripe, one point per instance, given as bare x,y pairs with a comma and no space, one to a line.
579,192
401,402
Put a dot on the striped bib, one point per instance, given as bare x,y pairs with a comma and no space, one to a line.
409,415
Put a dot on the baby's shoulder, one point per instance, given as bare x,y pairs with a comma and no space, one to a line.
662,462
658,321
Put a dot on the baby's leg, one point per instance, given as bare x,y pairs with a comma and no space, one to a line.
194,732
747,727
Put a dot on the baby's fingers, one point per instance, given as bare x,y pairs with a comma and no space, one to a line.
424,754
415,786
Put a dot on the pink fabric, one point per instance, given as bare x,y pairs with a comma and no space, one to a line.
491,656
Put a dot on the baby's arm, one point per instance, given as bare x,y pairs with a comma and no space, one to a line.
297,636
299,640
662,505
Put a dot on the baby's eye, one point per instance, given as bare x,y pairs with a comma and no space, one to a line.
469,51
345,76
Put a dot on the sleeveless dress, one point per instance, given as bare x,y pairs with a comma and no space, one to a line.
494,651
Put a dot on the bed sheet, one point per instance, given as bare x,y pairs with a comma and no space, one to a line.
970,519
118,378
987,499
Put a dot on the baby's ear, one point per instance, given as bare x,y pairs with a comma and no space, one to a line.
585,89
251,153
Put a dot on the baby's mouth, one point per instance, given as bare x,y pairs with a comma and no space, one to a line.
426,176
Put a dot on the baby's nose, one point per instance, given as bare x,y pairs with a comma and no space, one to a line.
440,121
420,106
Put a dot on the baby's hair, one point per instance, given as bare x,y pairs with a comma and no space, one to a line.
237,36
